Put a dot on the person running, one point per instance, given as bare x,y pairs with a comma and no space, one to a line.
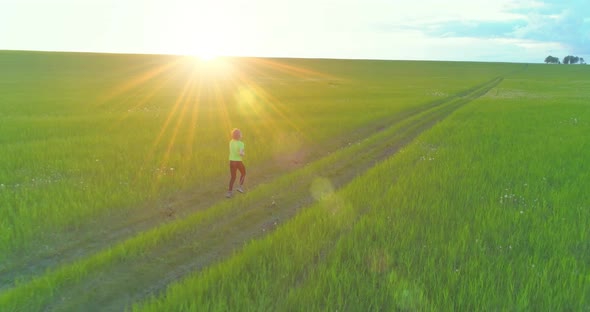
236,154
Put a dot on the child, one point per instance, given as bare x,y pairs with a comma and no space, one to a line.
236,152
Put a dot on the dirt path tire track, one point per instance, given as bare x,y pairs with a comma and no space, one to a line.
176,258
99,232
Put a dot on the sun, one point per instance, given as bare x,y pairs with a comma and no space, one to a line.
206,46
206,56
206,51
211,66
208,61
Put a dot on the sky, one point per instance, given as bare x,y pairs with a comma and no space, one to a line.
455,30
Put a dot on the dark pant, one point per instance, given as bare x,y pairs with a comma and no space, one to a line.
234,166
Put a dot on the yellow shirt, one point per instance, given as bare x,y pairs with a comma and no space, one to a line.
234,150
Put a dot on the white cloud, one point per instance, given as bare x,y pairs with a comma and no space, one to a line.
453,29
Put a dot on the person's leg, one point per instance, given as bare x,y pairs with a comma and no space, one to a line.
233,168
242,169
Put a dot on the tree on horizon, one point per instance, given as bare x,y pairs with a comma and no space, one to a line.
552,60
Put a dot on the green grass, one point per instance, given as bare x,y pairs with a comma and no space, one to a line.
83,134
487,211
42,290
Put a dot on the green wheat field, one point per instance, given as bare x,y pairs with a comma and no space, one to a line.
372,185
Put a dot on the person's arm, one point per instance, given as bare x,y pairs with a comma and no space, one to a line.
242,152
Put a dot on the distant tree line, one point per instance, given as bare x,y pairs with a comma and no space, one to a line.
570,59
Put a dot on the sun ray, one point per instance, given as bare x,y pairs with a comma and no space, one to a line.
139,80
195,115
182,99
243,102
210,88
173,113
299,72
146,93
225,118
272,102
